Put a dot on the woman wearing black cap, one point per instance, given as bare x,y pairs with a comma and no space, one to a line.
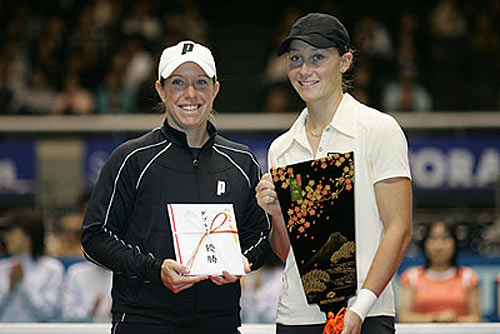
319,53
127,226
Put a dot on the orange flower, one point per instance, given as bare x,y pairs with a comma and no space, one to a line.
301,229
289,171
348,187
307,225
324,165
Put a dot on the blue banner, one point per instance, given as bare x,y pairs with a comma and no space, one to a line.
17,166
446,163
97,151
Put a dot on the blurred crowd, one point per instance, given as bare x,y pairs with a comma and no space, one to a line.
98,57
44,277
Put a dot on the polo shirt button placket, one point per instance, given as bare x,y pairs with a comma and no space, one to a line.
320,149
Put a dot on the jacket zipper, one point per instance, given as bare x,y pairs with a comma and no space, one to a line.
196,164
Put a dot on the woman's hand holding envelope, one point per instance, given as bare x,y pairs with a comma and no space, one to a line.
227,278
173,276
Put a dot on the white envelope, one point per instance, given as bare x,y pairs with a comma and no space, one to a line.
205,238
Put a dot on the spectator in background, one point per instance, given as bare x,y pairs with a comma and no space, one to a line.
483,45
440,290
260,292
409,43
68,239
29,280
85,294
142,21
186,21
375,45
447,46
38,96
406,94
74,99
139,67
279,96
112,97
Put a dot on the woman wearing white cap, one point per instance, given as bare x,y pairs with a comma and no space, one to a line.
319,53
126,227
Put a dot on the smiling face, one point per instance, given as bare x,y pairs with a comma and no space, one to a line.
316,74
188,94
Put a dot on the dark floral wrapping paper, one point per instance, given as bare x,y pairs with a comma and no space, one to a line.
317,201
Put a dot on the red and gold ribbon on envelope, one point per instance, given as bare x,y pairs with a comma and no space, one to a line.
211,230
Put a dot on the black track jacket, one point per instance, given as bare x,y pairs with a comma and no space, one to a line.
126,227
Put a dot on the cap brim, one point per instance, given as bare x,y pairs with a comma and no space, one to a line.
167,71
317,41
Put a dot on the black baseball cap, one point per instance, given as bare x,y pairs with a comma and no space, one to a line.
319,30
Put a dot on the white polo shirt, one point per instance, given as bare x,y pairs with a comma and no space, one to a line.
380,152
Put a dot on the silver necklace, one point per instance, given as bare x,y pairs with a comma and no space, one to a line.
313,134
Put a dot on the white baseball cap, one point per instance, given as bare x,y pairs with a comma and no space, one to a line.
185,51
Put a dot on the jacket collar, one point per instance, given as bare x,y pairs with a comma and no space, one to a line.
179,138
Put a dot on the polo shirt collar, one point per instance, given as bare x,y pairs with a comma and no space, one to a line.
344,121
